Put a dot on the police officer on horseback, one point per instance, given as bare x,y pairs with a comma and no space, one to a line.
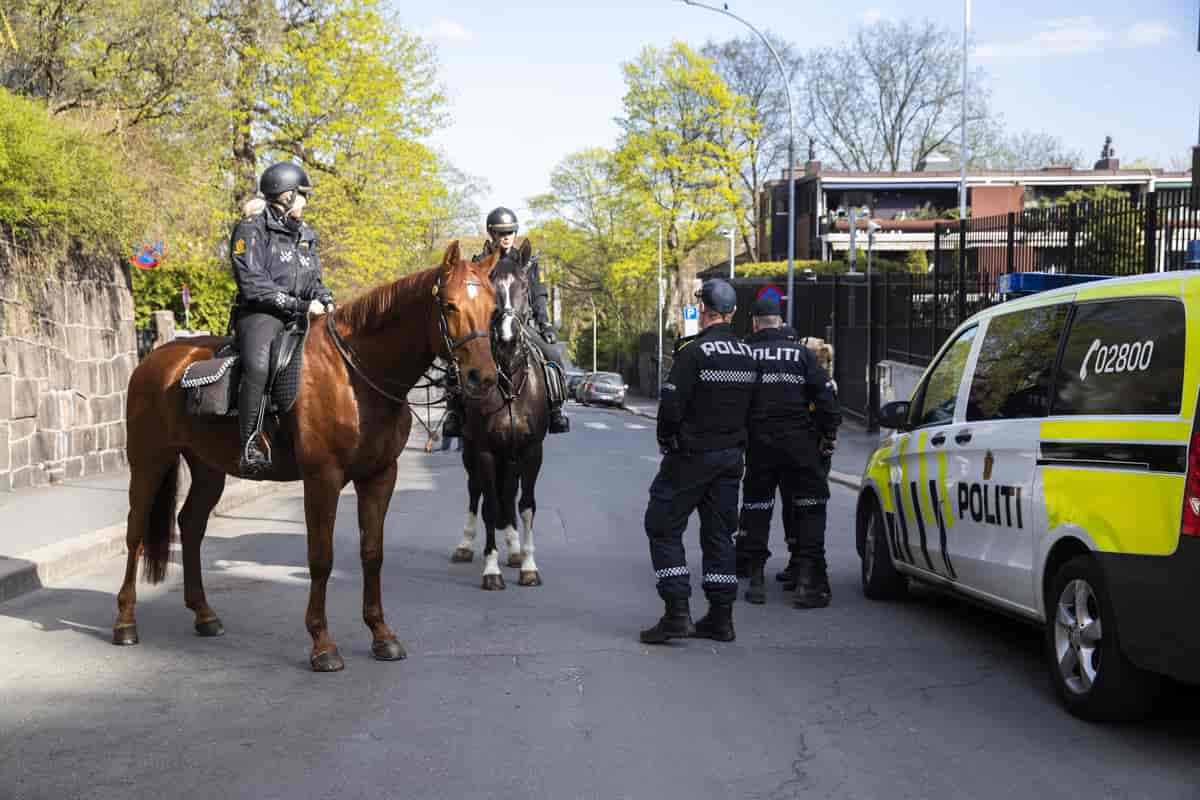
502,232
278,275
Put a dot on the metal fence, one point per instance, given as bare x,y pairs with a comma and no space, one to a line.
912,314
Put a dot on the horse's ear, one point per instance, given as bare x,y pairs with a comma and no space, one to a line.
526,251
453,255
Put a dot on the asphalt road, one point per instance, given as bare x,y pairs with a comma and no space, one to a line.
542,692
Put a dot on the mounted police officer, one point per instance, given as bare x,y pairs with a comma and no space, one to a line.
702,433
793,421
278,275
502,232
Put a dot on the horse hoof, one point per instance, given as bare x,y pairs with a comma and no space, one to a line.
493,583
531,578
462,556
515,559
389,650
212,627
125,635
329,661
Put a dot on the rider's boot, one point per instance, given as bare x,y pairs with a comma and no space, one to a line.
558,420
676,623
717,624
256,452
452,424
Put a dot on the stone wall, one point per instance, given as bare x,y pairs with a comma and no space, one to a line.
67,349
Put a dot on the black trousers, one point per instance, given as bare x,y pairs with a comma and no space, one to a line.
254,335
791,464
706,482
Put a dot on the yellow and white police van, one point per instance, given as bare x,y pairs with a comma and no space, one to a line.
1048,464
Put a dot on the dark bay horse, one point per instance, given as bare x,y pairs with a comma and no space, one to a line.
350,423
504,431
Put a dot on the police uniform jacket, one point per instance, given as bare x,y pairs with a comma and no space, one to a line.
792,392
707,395
538,293
276,266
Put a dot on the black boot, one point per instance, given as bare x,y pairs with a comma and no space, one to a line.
756,592
676,623
717,624
452,423
558,420
256,452
812,586
787,576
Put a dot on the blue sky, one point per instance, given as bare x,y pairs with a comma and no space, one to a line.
530,82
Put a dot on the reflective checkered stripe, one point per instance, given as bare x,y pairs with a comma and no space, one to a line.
782,377
765,506
805,502
727,375
671,572
718,578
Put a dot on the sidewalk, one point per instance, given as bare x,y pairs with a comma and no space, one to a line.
52,532
854,447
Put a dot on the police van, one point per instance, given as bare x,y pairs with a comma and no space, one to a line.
1048,464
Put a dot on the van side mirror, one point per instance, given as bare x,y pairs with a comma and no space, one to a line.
895,415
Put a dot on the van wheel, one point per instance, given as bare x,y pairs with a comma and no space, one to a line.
880,579
1091,674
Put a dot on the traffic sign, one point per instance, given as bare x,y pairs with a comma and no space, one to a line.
770,293
691,320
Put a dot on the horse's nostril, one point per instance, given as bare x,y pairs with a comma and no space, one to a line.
473,377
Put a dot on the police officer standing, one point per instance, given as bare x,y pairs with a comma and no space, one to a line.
278,274
702,433
793,421
502,229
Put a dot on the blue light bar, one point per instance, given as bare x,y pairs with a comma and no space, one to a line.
1032,282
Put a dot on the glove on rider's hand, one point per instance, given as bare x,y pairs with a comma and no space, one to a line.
827,446
668,446
548,334
315,308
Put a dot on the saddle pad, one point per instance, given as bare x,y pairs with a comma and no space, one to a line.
210,387
285,384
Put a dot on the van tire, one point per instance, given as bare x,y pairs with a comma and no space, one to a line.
880,578
1119,690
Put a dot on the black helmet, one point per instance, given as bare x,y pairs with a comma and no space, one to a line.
718,296
283,177
501,221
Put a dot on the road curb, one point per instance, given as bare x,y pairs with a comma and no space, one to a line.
849,481
54,562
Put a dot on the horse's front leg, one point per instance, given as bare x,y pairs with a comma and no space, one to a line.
374,495
320,513
487,474
509,482
466,548
531,465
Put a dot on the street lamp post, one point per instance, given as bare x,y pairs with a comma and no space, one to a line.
732,232
872,377
658,383
962,156
593,302
791,163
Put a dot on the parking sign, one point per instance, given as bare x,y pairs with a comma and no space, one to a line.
691,320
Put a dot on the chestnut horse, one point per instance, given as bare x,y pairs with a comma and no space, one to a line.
350,423
505,430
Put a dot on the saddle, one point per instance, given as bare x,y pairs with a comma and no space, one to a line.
210,387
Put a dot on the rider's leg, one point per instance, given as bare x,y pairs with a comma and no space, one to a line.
255,332
558,421
452,423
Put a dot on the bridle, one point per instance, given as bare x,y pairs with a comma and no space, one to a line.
452,345
510,389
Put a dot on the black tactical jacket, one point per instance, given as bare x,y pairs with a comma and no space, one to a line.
706,396
792,393
277,268
537,290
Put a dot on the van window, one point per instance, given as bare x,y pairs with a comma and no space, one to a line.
940,391
1123,357
1015,368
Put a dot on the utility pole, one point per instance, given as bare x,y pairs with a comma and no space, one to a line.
658,383
593,302
732,233
962,155
791,156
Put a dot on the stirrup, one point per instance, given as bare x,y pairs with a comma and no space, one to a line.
559,423
256,458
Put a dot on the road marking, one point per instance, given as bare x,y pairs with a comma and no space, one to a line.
600,426
633,426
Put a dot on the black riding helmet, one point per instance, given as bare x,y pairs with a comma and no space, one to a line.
501,221
718,295
283,177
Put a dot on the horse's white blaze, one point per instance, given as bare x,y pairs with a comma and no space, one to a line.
506,326
468,540
527,548
491,566
512,540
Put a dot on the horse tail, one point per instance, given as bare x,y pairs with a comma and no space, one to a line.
156,544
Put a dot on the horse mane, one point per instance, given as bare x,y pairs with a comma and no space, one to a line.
372,311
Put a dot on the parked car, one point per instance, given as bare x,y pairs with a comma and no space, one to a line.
1048,465
574,378
602,387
